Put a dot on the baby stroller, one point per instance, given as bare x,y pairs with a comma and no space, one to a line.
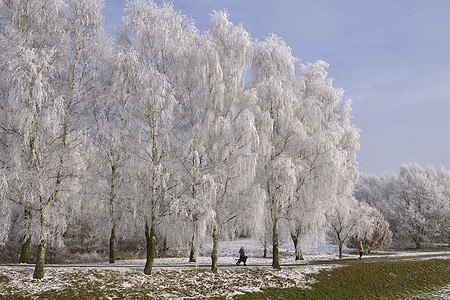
241,259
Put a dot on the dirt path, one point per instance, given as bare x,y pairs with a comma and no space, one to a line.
344,261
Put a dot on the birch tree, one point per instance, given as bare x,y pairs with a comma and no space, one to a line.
273,78
111,138
22,66
378,237
153,42
327,135
112,143
343,175
227,129
344,220
346,216
50,49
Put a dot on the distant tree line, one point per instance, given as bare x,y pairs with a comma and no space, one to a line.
415,203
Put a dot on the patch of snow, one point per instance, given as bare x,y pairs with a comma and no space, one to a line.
440,294
162,284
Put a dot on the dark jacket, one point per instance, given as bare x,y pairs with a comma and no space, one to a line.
242,253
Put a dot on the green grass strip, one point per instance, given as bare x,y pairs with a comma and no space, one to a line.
368,280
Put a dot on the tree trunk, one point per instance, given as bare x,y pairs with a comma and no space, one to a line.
298,251
275,257
193,253
26,240
338,240
418,245
39,269
25,251
112,240
112,196
214,253
265,249
150,238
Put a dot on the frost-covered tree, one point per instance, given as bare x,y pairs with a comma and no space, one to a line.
421,205
273,78
328,138
227,132
188,89
215,137
351,219
379,237
415,203
23,64
153,42
305,132
110,137
377,192
345,215
342,175
444,181
51,50
265,234
110,175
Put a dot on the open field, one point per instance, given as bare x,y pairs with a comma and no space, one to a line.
409,279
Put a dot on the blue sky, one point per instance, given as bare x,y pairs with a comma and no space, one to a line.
392,57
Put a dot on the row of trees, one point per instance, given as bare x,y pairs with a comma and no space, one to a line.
416,203
166,132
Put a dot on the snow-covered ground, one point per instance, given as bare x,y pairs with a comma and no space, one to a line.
175,278
439,294
228,253
162,284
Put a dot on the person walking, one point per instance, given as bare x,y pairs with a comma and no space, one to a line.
361,249
242,257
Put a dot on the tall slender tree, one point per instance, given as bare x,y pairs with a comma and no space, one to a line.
111,138
329,138
273,78
50,49
227,131
153,40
